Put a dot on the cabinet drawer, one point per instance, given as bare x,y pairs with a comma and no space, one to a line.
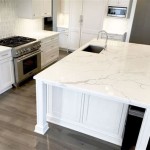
49,45
50,56
5,54
49,39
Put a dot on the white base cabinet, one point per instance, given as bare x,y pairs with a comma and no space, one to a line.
63,38
6,71
92,115
50,50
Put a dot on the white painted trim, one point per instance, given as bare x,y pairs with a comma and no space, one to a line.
40,129
5,89
144,132
41,107
80,128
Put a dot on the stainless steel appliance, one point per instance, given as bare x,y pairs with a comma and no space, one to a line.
140,32
26,56
117,11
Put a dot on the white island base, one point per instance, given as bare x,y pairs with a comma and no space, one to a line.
92,115
89,114
90,93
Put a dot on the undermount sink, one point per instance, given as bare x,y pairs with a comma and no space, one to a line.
93,49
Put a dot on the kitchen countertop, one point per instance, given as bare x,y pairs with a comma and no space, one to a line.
4,48
41,34
122,72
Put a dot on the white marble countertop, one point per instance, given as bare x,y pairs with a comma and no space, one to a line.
4,48
41,34
122,72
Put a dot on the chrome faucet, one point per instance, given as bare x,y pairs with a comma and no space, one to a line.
103,31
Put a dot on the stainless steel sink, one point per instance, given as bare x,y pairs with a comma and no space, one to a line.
93,49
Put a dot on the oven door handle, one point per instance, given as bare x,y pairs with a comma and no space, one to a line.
28,56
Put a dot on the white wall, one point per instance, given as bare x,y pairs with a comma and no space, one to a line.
115,25
7,18
11,25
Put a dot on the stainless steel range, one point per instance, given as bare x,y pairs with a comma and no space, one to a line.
26,56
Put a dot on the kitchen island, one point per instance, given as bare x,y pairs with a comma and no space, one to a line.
90,92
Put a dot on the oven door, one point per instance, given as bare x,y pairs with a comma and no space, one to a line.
27,65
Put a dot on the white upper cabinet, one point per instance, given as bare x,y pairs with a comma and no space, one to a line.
32,9
121,3
65,6
47,11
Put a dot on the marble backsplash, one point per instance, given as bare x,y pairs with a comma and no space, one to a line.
11,25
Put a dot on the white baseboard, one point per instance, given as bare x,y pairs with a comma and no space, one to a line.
5,89
40,129
82,129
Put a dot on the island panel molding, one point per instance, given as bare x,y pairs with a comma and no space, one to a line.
84,113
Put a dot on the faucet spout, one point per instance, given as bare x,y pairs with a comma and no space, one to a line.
103,31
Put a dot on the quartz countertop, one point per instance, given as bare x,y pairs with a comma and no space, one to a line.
122,72
4,48
41,34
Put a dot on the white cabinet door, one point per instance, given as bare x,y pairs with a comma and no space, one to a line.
47,8
6,74
63,40
66,104
74,24
93,16
86,19
50,50
37,8
104,116
63,37
29,9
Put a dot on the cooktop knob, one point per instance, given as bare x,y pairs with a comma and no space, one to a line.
28,49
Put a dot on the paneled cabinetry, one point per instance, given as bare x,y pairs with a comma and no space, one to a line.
93,115
32,9
86,19
50,50
63,37
6,71
47,8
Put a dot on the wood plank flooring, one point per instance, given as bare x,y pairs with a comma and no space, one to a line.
18,119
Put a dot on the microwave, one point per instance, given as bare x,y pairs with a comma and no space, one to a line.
117,11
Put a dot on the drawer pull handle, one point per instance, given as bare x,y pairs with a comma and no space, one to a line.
4,55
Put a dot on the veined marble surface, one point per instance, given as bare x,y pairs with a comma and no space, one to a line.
122,72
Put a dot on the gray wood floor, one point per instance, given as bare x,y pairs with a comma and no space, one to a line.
17,121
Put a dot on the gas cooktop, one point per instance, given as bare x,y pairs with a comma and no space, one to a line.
15,41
